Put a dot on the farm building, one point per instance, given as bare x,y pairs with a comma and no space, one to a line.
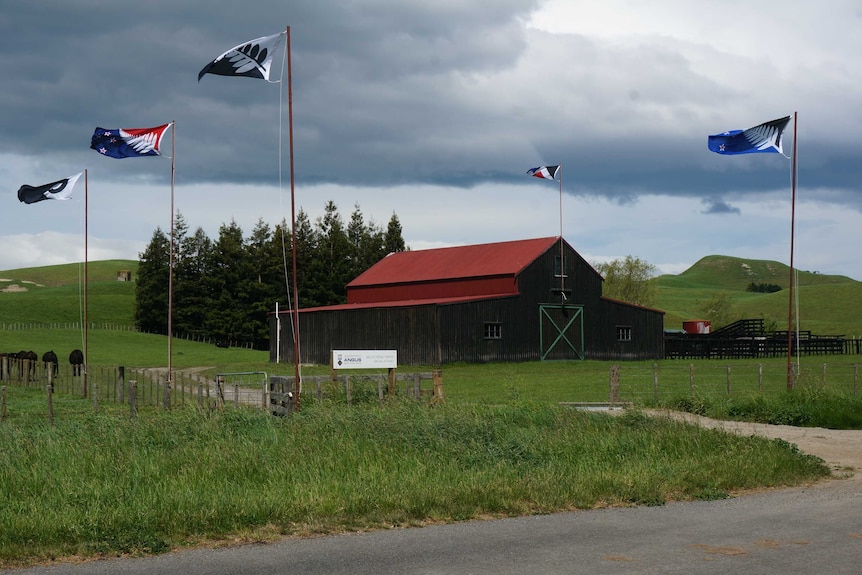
506,301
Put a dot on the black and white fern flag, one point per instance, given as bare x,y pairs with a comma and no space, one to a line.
251,59
59,190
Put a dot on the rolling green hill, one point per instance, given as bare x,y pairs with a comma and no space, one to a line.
828,304
55,294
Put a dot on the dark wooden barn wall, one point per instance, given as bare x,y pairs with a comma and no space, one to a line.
412,331
647,328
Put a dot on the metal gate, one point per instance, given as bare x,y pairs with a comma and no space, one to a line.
561,331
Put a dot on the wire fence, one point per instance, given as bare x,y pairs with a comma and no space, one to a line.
706,379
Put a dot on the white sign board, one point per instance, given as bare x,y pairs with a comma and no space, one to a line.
364,358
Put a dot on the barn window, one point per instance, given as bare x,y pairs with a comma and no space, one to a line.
624,333
560,271
493,330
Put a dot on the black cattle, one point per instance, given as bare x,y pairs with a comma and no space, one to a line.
28,358
50,357
76,358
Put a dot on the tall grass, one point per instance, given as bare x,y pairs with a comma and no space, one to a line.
108,485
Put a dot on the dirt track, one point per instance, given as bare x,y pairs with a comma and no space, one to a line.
840,449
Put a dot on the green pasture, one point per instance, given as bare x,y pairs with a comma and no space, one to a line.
107,485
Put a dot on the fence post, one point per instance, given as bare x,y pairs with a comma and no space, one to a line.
728,381
614,384
760,377
655,382
236,394
3,403
691,379
437,378
95,397
50,392
823,376
133,398
167,393
855,378
379,391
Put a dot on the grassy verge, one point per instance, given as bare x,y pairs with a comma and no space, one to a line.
107,485
801,407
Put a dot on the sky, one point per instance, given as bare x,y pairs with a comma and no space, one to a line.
434,110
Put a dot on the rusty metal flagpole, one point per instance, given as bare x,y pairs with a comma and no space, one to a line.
171,265
792,278
86,281
297,382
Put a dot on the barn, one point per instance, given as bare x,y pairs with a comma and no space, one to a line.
524,300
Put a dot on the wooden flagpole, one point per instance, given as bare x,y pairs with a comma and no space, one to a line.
171,265
297,385
792,278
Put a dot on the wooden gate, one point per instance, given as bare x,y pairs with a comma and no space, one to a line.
561,331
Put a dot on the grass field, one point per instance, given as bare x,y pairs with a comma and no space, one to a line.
107,485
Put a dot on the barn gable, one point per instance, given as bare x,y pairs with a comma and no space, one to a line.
506,301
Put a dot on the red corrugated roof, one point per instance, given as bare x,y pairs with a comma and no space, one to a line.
482,260
401,303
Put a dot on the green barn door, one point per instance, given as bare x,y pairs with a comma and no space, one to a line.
561,331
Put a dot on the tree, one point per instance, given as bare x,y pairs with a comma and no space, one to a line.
226,318
718,310
151,287
628,280
333,257
393,241
192,299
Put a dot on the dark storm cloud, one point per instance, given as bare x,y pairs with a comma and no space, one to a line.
388,93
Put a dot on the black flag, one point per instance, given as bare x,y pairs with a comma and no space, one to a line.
251,59
59,190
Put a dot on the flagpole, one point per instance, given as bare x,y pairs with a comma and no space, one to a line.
792,234
562,261
86,280
171,265
297,384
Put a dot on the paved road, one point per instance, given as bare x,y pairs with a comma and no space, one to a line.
796,531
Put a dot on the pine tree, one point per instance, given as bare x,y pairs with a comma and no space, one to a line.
151,287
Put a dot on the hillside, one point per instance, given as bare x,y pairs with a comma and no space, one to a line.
828,304
54,294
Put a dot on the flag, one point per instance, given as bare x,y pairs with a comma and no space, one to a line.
546,172
765,138
251,59
128,142
59,190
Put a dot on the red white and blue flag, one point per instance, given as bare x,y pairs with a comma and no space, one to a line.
128,142
546,172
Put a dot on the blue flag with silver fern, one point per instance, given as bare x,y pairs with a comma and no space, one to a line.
762,139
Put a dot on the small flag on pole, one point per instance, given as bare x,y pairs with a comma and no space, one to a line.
251,59
128,142
59,190
546,172
762,139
